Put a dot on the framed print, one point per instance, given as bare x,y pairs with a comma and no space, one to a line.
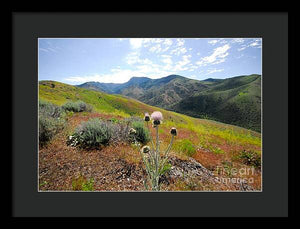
143,111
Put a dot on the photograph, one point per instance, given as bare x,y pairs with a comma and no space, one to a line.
161,114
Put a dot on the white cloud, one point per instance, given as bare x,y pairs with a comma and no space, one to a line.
136,42
44,50
180,42
156,48
242,48
134,58
179,50
193,67
121,75
210,71
223,41
168,42
180,65
159,45
185,59
254,43
238,40
213,42
218,56
50,49
167,59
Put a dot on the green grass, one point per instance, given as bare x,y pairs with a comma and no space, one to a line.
82,184
206,133
185,146
236,101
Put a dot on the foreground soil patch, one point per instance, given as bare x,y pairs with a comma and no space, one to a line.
118,167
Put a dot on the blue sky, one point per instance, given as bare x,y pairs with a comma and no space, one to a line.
116,60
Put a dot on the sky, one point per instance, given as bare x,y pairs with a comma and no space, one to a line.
115,60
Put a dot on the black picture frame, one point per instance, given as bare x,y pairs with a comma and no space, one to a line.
271,26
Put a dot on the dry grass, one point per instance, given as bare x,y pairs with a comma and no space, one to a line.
118,167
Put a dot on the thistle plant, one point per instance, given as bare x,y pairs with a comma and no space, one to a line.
153,158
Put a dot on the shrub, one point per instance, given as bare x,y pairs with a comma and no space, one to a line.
78,106
185,146
49,110
250,158
47,129
114,120
142,134
50,121
93,133
119,131
133,119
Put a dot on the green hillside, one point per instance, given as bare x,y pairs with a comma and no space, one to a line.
213,144
59,93
236,101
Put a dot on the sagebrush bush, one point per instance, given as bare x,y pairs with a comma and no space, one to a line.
93,133
49,110
119,132
142,134
47,130
78,106
50,121
133,119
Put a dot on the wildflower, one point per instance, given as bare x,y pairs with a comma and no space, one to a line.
147,117
146,149
173,131
157,116
154,161
132,131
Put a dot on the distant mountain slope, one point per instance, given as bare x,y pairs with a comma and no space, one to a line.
162,92
104,87
234,100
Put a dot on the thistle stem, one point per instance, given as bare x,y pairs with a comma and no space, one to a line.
151,139
156,179
166,153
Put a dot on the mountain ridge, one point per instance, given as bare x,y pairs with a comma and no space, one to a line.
226,100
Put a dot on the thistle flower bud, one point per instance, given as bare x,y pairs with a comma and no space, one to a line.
147,117
145,149
132,131
156,123
173,131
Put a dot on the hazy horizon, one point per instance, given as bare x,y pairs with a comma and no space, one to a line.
116,60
